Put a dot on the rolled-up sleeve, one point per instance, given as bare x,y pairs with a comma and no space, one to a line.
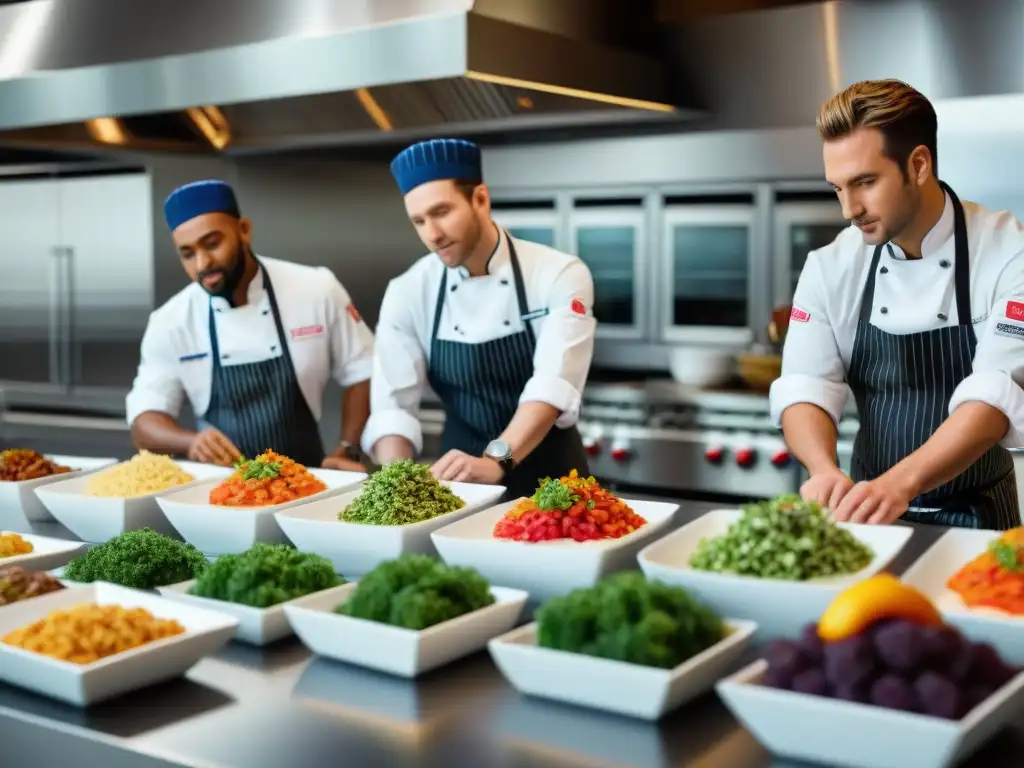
351,338
812,365
399,373
565,345
157,385
998,375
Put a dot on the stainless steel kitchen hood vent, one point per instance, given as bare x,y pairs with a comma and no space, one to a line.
252,75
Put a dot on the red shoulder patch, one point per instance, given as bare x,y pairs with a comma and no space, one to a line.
1015,310
798,315
578,308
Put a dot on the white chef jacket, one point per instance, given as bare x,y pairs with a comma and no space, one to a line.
326,339
914,295
479,309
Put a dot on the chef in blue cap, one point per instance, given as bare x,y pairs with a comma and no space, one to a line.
501,329
251,343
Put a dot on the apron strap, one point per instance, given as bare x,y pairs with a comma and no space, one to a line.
439,309
962,263
517,275
868,297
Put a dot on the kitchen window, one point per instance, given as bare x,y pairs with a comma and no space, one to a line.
801,227
535,221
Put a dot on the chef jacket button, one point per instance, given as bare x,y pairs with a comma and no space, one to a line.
454,287
266,311
884,270
224,357
942,316
944,263
508,322
504,281
274,348
884,310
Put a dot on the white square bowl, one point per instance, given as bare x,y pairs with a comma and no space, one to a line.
97,519
85,684
780,608
217,530
627,689
19,504
827,731
356,549
256,626
46,553
944,558
395,650
548,568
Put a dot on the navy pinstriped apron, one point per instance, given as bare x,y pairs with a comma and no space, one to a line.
480,385
259,406
903,385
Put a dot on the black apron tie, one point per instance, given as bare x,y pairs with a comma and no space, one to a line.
480,385
903,386
260,406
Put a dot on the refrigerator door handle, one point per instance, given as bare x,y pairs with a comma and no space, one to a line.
61,316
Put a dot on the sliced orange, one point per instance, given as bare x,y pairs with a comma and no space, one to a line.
882,596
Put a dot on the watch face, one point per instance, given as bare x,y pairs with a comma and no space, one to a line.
498,450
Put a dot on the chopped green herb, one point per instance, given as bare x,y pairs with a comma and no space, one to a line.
553,494
1010,556
401,493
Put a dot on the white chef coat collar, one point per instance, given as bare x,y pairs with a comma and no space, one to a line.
255,295
937,237
496,262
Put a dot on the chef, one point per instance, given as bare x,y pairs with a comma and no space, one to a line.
501,329
918,308
251,343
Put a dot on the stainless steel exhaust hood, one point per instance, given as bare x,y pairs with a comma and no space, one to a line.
251,75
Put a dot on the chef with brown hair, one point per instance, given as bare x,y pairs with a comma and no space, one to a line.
918,308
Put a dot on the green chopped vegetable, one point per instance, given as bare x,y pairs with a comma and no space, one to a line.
141,559
416,592
1009,556
627,618
258,469
265,575
400,494
553,494
786,538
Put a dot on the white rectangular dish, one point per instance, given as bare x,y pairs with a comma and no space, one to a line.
548,568
627,689
780,608
19,504
96,519
47,553
356,549
395,650
828,731
933,569
217,530
256,626
85,684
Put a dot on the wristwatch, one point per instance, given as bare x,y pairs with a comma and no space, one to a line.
501,452
349,451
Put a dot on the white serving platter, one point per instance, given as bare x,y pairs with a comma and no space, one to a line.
96,519
549,568
256,626
86,684
627,689
822,731
357,549
933,569
47,553
780,608
217,530
19,504
396,650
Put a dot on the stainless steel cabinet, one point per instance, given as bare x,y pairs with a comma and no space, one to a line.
800,227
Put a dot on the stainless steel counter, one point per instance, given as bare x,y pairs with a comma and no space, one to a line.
279,707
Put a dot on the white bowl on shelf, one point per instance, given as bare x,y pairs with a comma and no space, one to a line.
396,650
218,530
944,558
700,367
47,553
548,568
96,519
781,608
627,689
19,504
356,549
822,731
256,626
86,684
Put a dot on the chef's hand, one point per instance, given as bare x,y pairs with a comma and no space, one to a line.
211,446
460,467
876,502
827,488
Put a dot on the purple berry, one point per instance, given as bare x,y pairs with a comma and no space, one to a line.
988,667
940,646
893,692
899,647
939,696
812,682
850,662
959,669
776,677
861,692
786,659
811,645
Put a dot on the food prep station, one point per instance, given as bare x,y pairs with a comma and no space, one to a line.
274,703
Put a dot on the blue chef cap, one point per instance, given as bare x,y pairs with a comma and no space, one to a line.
197,198
435,160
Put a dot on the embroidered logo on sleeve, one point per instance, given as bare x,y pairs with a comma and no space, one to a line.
578,308
353,313
798,315
1015,311
1011,330
306,332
